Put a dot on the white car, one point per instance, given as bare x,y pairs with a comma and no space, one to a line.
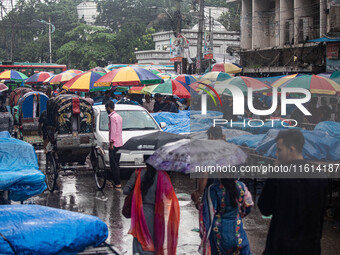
136,121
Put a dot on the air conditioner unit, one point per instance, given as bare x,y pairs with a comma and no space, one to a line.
288,32
305,26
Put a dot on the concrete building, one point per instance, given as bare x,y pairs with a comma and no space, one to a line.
87,11
223,40
275,35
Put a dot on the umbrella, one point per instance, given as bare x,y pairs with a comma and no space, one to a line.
227,68
166,76
12,75
38,78
3,87
185,78
74,71
116,66
128,76
187,154
278,83
84,82
170,87
136,90
316,84
335,76
100,69
147,144
242,82
216,76
60,78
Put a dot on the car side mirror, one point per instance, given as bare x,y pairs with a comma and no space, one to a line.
162,124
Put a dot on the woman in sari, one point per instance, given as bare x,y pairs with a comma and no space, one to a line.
223,206
153,200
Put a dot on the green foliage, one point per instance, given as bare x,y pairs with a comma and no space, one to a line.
231,20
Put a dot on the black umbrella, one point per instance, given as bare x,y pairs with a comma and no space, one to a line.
147,144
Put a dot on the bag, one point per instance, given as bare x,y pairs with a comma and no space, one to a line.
126,211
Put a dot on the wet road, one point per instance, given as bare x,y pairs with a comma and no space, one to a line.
76,191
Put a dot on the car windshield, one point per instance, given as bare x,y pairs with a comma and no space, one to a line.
132,120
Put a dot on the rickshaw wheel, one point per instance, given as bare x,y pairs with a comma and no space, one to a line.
51,172
99,169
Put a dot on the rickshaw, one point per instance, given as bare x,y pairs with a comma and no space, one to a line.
26,116
71,138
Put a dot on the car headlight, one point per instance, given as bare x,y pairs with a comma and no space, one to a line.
105,145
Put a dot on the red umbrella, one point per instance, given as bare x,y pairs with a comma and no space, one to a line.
3,87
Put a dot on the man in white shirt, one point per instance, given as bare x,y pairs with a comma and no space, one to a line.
148,103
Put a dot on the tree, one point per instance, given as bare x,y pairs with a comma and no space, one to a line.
231,20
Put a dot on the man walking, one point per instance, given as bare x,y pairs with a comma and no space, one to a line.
116,141
297,205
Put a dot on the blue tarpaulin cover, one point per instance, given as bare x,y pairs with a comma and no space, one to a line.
34,229
330,127
19,170
5,134
250,141
318,146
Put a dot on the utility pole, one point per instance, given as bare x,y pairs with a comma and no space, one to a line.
211,38
178,17
200,36
49,38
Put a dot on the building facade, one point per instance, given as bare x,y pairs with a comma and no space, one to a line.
276,34
225,42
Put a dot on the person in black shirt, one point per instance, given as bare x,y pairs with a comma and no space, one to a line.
158,106
297,206
325,110
107,97
169,106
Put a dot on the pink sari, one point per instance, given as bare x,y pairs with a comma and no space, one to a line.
166,204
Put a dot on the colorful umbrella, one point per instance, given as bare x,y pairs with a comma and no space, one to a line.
84,82
170,87
128,76
38,77
216,76
242,82
185,78
187,154
12,75
116,66
335,76
74,71
136,90
99,69
284,80
3,87
201,84
60,78
314,83
166,76
227,68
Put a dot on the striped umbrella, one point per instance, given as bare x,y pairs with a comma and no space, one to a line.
38,78
169,87
166,76
100,69
128,76
227,68
314,83
74,71
60,78
84,82
12,75
185,78
216,76
278,83
202,83
242,82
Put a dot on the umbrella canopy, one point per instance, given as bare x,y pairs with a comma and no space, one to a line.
166,76
169,87
38,78
242,82
12,75
314,83
136,89
185,78
74,71
186,154
60,78
128,76
201,84
147,144
99,69
84,82
278,83
3,87
216,76
335,76
227,68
